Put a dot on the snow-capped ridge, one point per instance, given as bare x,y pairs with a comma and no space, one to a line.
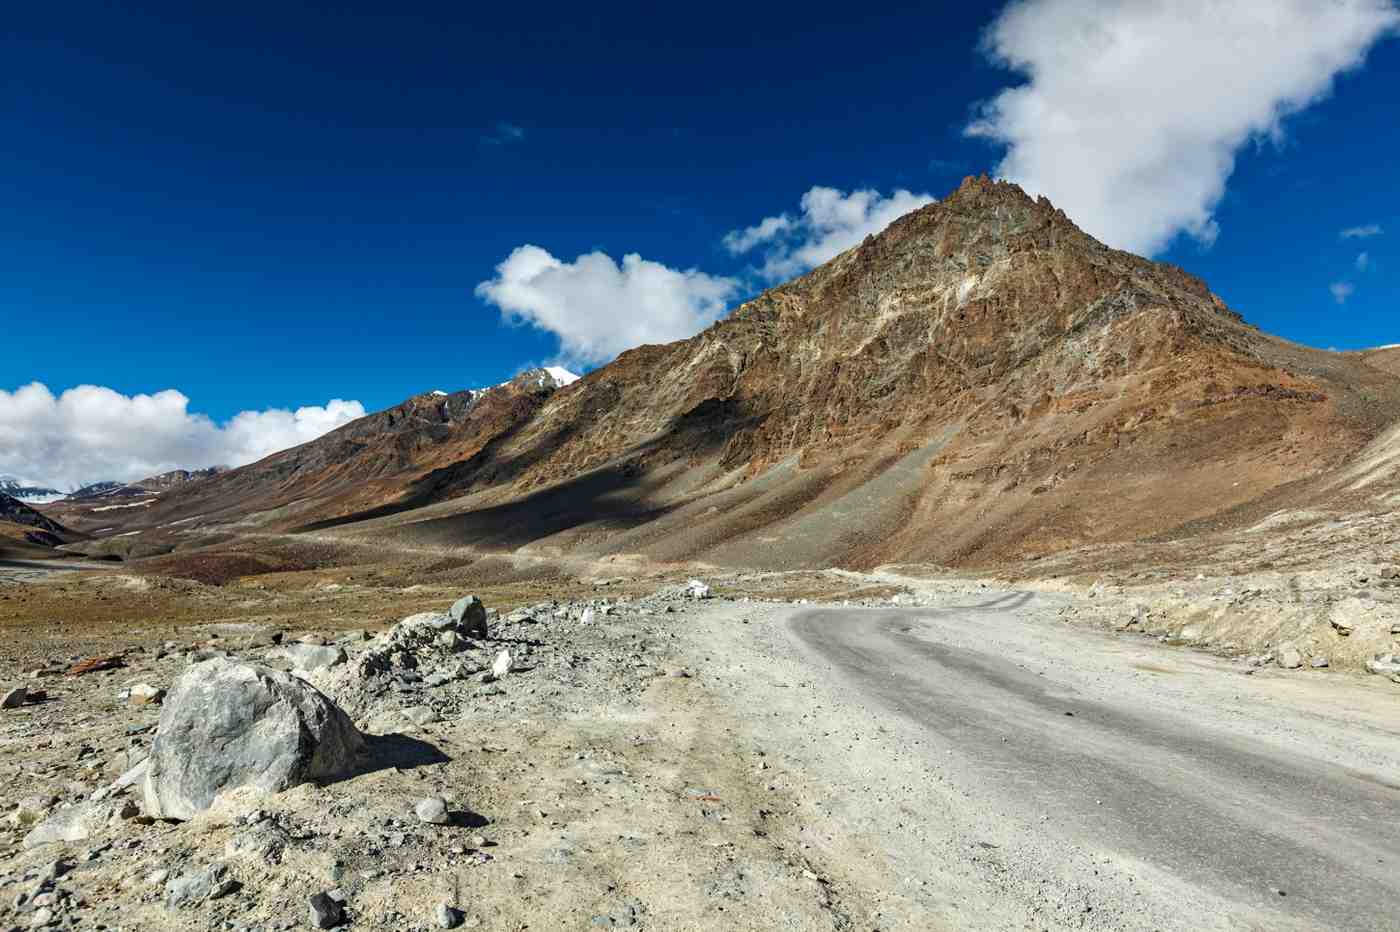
29,494
561,375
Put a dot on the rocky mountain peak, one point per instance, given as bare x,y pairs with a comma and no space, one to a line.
980,380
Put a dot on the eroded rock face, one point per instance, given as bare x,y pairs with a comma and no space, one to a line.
227,725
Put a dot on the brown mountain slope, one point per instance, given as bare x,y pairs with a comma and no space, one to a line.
363,465
25,532
981,382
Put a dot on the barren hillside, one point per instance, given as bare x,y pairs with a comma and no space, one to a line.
981,383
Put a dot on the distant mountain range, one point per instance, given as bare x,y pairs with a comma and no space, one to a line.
33,494
981,383
355,467
42,495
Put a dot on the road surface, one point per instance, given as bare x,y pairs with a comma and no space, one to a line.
1257,822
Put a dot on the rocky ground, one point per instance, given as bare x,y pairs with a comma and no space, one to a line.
593,783
603,757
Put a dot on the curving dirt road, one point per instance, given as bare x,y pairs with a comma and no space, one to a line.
1234,815
980,763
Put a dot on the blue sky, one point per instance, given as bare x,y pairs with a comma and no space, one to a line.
281,205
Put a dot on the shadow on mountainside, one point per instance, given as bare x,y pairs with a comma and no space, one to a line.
612,496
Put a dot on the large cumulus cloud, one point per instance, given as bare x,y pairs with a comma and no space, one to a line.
91,433
1133,110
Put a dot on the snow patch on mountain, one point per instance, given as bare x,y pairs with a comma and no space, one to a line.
561,375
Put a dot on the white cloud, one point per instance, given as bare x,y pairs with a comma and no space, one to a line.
1362,232
1363,261
90,433
598,308
769,228
1133,109
1341,291
830,222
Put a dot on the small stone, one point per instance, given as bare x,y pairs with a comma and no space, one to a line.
53,871
421,715
308,658
448,917
76,823
432,810
503,665
145,694
1384,665
470,616
326,913
209,883
31,809
40,918
695,589
14,698
453,642
1319,663
1287,657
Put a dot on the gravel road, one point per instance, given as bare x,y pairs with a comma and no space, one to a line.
1010,771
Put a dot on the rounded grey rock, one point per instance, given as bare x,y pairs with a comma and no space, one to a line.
227,725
